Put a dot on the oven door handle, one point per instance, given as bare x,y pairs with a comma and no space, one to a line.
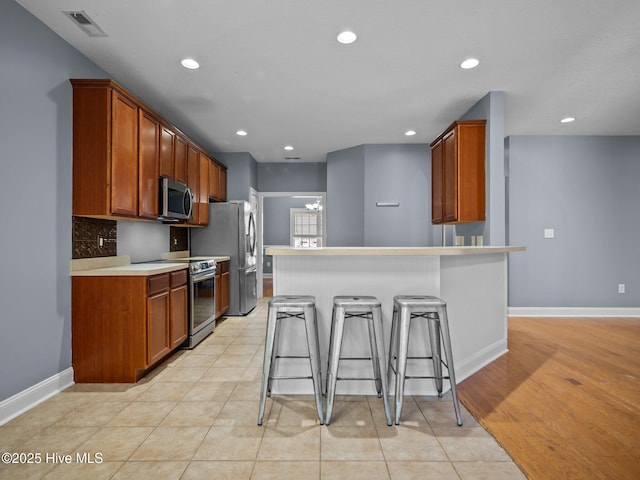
202,276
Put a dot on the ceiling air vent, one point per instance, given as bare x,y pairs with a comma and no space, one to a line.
82,20
292,158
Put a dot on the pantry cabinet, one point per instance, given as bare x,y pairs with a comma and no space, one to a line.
124,325
458,173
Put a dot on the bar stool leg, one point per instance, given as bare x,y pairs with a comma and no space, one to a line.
401,363
380,361
434,340
446,340
393,347
272,320
371,324
314,357
335,346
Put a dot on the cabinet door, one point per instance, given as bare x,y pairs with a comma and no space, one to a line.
214,181
223,185
180,160
124,156
437,207
203,214
149,129
178,302
158,327
218,294
224,292
450,176
193,174
166,164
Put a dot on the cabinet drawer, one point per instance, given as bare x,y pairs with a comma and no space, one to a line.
222,267
157,283
178,278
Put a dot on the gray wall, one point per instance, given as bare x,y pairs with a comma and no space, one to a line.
36,152
586,189
292,177
491,108
345,197
397,173
359,177
242,174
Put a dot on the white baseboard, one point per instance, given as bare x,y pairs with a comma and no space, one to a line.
32,396
572,312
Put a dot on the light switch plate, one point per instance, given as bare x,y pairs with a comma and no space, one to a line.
549,233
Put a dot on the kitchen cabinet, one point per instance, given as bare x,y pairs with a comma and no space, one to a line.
180,159
222,288
158,321
105,151
193,175
148,154
121,147
203,190
222,188
124,325
167,153
178,301
214,181
458,173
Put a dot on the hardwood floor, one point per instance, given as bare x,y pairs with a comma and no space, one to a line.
564,402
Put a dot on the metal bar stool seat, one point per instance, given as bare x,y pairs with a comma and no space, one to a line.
347,308
282,307
405,309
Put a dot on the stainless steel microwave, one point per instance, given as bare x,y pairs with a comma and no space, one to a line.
175,200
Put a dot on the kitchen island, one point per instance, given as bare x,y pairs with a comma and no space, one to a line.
472,280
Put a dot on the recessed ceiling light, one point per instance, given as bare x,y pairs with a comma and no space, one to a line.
567,120
288,147
470,63
347,37
410,133
190,63
242,133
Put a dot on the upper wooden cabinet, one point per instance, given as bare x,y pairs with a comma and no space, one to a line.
180,159
148,134
167,153
105,151
121,148
458,173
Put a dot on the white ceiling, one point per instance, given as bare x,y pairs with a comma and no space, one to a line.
274,68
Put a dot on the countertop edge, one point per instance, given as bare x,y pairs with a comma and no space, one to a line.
415,251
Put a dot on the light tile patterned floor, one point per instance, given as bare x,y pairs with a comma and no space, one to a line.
195,415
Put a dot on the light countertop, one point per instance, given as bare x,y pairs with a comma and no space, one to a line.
416,251
121,265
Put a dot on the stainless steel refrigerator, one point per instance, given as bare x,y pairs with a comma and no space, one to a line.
232,232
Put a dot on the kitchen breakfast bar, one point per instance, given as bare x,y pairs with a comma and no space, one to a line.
471,280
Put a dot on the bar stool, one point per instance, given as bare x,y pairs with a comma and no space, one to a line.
345,308
282,307
434,310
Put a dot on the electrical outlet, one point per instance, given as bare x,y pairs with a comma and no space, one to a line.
479,241
549,233
621,288
100,242
175,241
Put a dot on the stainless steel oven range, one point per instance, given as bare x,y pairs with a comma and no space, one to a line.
202,303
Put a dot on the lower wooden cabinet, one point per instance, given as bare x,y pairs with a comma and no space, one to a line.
222,288
123,325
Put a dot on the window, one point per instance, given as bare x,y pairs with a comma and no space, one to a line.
306,228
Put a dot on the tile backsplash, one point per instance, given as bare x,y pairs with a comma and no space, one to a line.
87,233
86,236
179,238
